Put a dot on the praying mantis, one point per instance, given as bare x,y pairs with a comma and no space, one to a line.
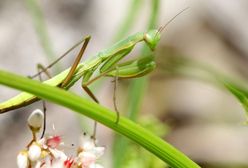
105,63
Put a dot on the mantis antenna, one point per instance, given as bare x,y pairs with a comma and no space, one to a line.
172,19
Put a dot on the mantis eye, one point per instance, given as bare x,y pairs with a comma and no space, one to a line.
152,38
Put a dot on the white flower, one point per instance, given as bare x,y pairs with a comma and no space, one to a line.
88,145
98,151
86,158
59,159
44,153
86,142
57,164
89,152
35,120
22,159
47,162
34,152
57,154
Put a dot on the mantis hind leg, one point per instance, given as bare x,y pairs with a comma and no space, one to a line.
67,79
39,69
61,57
44,69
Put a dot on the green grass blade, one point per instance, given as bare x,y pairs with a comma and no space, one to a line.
126,127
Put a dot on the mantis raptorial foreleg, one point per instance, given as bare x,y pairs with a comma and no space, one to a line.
105,66
90,93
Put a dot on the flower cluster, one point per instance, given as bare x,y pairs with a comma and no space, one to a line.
46,152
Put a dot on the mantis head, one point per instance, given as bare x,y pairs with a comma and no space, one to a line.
152,37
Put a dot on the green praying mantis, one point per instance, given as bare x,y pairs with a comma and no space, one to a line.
105,63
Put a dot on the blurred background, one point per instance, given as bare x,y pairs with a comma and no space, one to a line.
177,101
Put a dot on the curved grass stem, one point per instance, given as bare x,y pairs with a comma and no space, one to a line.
126,127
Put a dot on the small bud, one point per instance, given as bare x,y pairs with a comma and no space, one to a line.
35,120
22,159
34,152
